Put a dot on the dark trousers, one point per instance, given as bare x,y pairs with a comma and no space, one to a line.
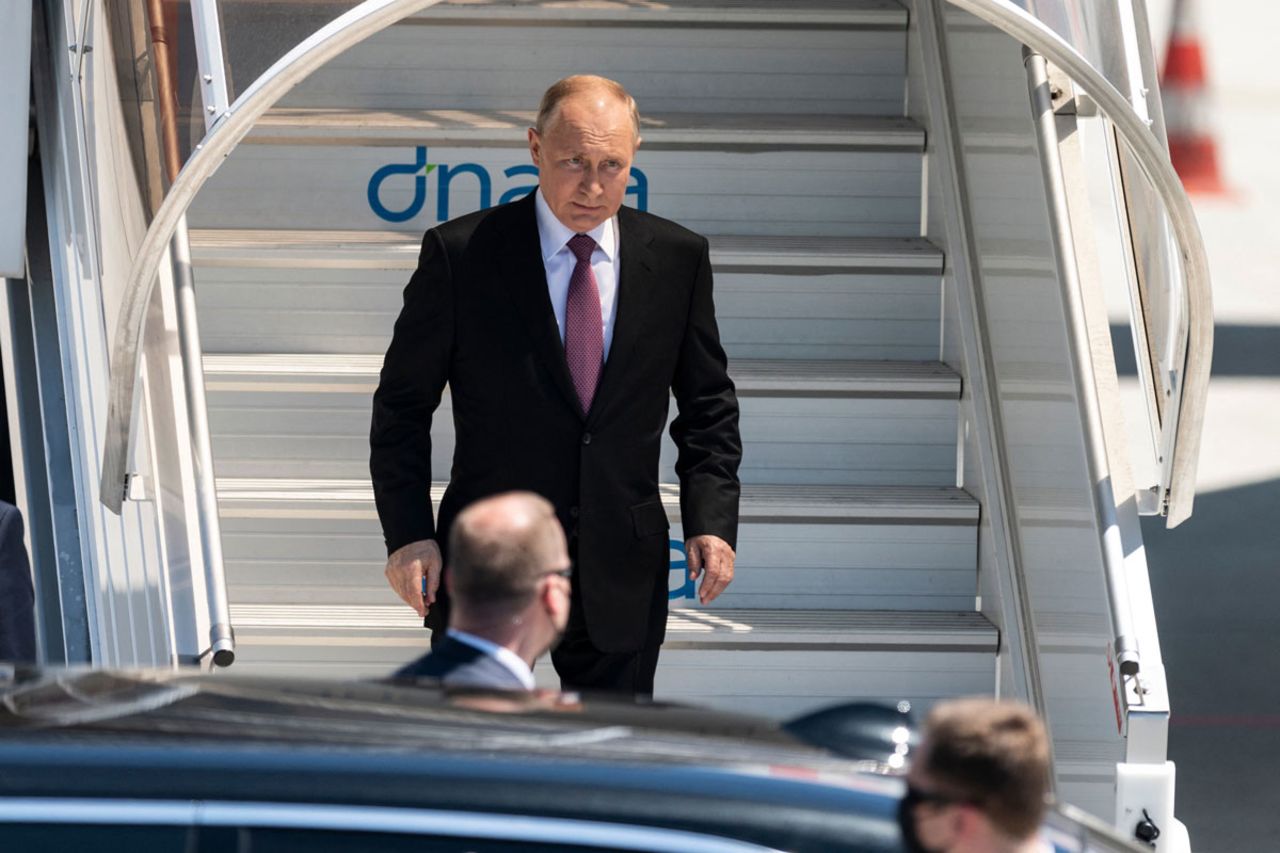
582,666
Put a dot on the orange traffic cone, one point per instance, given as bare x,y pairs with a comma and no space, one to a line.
1184,89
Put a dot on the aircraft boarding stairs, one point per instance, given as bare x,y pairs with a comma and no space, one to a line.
857,569
783,133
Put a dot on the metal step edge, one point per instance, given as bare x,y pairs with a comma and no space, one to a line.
845,14
320,373
792,630
763,504
507,129
391,250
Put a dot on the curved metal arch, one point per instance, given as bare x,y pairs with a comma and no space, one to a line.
342,32
374,15
1189,402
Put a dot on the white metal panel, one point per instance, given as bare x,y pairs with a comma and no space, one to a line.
325,547
87,165
917,657
804,193
667,69
319,292
397,249
315,424
784,684
1036,404
874,315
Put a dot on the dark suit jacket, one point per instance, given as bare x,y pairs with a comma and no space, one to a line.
17,599
477,315
459,664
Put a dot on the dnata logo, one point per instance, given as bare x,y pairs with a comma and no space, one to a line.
479,178
687,589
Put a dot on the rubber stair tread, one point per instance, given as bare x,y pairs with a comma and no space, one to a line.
399,250
719,13
343,125
944,504
685,626
917,378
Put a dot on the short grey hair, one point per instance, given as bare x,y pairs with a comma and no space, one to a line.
578,83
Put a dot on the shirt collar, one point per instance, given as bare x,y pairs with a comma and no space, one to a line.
554,234
502,654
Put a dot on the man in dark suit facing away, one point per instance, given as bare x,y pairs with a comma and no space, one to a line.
17,598
508,580
562,323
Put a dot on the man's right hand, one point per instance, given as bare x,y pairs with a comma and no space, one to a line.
408,565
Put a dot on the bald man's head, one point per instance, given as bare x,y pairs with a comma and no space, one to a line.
499,549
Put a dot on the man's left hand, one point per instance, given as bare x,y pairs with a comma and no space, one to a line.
711,557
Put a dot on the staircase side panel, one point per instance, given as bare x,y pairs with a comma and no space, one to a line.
1049,512
97,216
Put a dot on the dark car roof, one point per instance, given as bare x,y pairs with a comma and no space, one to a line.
70,733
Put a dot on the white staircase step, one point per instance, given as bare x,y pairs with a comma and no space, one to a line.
756,378
793,662
506,128
705,13
871,315
847,57
754,175
827,378
776,297
781,504
692,628
398,250
816,422
318,542
830,630
776,504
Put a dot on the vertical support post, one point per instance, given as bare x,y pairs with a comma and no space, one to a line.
221,637
947,152
214,94
209,58
1104,501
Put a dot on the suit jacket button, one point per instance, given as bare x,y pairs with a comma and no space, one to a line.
573,512
586,438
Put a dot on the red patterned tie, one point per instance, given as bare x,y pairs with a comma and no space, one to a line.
583,329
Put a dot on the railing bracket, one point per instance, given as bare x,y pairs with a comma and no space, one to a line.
137,487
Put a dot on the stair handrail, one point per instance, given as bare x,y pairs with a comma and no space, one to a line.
225,133
1179,446
199,444
1125,643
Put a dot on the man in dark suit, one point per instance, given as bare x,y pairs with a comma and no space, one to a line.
17,599
561,323
508,581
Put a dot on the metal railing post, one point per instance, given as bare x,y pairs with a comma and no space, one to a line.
1102,494
1180,445
209,59
221,637
200,444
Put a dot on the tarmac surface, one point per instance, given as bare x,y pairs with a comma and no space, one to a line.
1216,578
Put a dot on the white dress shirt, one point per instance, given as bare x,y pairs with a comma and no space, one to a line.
501,654
559,262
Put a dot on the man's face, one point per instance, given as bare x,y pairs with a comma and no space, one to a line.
926,827
584,159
